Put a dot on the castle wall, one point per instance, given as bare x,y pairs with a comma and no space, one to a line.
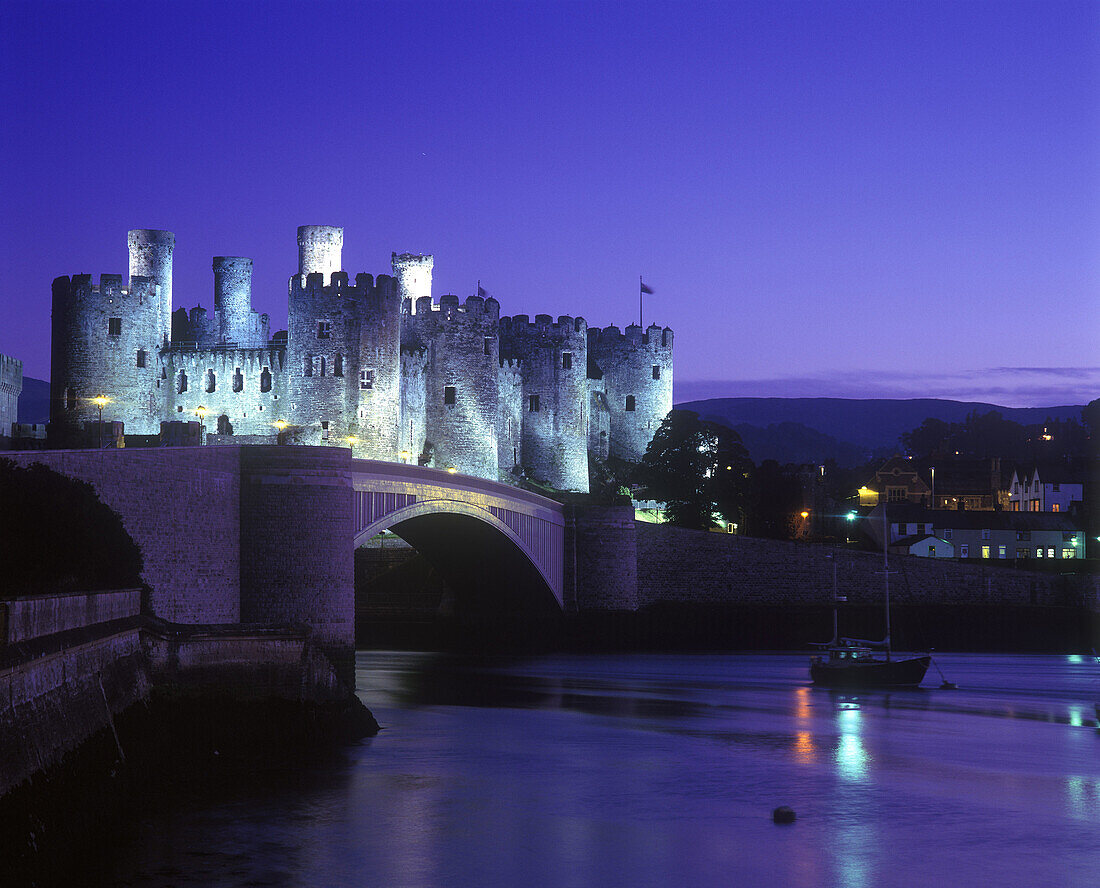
105,342
637,377
11,384
461,385
510,422
248,387
413,432
553,364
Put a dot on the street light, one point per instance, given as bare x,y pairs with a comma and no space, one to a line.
201,412
405,456
451,470
100,401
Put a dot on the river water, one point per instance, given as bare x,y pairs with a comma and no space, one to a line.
655,770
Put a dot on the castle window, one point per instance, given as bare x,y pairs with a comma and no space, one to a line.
308,369
533,404
324,329
181,383
488,345
449,394
656,371
566,361
630,403
338,365
70,399
265,380
324,429
322,366
141,357
238,380
211,381
366,379
224,426
114,326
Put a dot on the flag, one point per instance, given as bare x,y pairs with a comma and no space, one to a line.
646,288
481,290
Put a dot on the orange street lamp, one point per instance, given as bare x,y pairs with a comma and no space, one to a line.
100,401
201,412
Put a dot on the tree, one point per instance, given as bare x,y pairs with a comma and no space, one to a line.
696,468
57,536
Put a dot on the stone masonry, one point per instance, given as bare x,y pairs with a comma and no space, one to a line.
371,363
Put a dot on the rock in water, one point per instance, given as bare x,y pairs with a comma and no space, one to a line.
783,814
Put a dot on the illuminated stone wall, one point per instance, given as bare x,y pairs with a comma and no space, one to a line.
372,364
11,384
461,385
553,365
637,380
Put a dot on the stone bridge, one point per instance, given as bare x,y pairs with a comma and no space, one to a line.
266,534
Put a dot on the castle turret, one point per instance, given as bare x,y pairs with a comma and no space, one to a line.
151,257
461,386
320,249
552,360
636,369
414,278
233,297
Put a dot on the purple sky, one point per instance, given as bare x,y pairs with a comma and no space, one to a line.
879,199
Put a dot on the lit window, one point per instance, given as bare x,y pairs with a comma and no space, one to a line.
1000,551
1069,553
656,371
1038,551
533,404
630,403
1055,507
1022,553
324,329
985,551
366,379
931,551
449,394
1050,551
566,361
114,326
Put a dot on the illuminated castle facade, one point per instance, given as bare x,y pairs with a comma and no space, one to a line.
373,363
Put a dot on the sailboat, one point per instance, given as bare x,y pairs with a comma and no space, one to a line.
854,662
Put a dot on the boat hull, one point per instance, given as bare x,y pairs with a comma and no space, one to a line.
907,673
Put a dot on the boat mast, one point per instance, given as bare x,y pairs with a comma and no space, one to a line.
886,573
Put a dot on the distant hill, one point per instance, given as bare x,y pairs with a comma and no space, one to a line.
34,400
851,431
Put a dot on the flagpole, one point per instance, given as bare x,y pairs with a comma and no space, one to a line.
640,285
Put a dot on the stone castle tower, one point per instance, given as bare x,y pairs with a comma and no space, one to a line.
374,363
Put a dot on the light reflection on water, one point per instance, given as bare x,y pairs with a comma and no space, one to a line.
663,770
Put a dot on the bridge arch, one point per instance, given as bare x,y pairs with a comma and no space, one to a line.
500,549
398,522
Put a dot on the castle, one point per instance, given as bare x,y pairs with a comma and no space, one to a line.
371,363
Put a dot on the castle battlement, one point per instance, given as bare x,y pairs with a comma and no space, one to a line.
412,260
449,307
566,327
654,338
183,356
109,284
366,286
